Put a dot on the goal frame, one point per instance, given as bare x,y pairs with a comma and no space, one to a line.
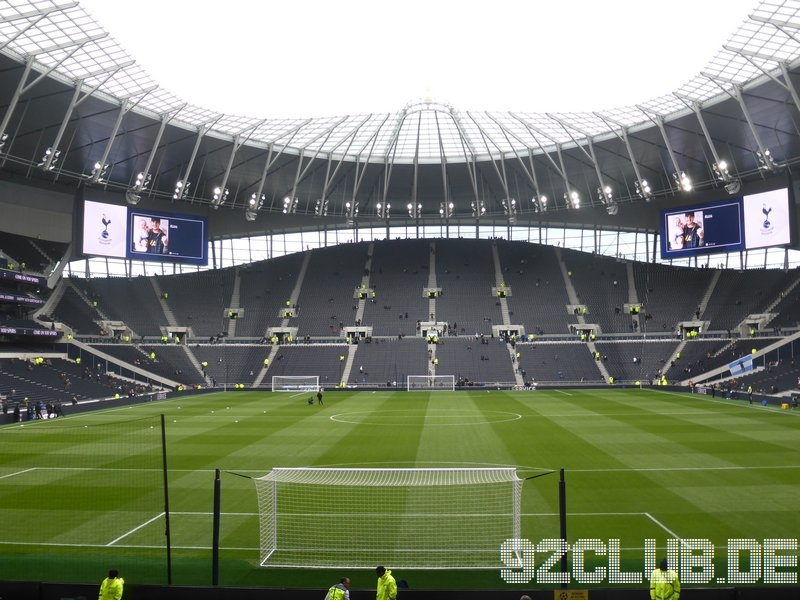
428,383
295,383
414,518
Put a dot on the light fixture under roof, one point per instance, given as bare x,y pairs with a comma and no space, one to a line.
383,211
682,181
721,170
765,160
254,204
351,212
49,159
181,190
643,189
290,205
142,182
219,196
572,198
321,208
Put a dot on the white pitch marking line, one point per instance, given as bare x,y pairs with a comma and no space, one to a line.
665,528
135,529
18,473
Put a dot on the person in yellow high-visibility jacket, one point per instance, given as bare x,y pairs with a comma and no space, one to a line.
112,586
387,587
340,591
664,583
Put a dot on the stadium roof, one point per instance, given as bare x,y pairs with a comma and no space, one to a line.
67,87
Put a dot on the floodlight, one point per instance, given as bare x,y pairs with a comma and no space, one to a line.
642,189
181,190
49,159
682,181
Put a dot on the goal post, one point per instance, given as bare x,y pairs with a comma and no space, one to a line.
426,383
409,518
294,383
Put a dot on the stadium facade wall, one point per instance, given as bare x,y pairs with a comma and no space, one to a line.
37,212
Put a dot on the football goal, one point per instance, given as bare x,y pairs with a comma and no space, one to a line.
426,383
409,518
294,383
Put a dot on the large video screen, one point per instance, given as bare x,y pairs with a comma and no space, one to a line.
104,229
162,236
767,219
127,232
741,223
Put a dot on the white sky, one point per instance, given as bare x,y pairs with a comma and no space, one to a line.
273,59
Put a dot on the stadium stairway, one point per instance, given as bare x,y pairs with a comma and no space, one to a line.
672,360
301,275
262,374
88,302
130,367
50,259
512,354
170,316
432,280
48,307
348,365
600,365
707,296
365,284
573,298
786,292
194,360
234,303
499,282
633,297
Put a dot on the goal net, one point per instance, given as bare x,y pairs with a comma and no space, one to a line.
419,383
409,518
294,383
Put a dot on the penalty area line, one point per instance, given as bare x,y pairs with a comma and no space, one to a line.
665,528
18,473
135,529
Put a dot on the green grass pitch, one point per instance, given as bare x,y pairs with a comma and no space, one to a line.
81,494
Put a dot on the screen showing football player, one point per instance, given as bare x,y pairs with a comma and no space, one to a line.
157,241
693,234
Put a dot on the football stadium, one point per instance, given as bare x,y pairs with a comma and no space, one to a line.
500,353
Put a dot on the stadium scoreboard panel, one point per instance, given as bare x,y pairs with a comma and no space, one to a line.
118,231
749,222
